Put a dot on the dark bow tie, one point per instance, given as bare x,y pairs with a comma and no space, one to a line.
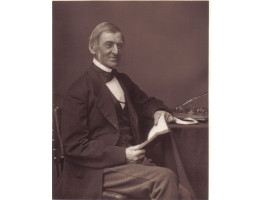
108,76
105,76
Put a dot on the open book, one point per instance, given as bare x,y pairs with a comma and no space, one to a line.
161,128
157,130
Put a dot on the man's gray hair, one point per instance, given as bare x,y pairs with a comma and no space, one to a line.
98,30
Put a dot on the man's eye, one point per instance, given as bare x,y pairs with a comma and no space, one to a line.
108,45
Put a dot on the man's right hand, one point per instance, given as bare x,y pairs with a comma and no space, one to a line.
133,155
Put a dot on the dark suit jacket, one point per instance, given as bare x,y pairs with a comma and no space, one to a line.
90,132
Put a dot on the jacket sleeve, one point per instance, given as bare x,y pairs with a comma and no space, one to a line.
143,104
79,149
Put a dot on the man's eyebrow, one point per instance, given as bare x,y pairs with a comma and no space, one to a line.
112,42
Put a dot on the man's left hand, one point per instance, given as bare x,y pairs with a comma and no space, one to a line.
167,116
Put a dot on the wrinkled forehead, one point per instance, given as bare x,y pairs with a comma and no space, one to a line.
108,36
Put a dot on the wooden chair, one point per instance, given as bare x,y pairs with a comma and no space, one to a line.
58,153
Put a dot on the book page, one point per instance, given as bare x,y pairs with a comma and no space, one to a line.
159,129
185,121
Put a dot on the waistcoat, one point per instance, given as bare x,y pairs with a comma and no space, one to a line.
126,137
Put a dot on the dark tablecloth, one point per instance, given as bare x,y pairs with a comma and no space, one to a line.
186,152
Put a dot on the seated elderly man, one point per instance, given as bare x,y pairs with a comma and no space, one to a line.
100,130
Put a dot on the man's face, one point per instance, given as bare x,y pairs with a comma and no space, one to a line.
108,49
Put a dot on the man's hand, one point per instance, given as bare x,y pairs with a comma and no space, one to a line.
168,117
133,155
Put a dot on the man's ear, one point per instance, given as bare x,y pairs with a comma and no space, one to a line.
92,48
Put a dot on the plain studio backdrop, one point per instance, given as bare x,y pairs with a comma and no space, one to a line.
165,52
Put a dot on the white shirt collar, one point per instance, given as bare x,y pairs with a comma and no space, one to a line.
101,66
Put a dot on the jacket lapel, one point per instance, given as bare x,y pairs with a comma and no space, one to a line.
104,100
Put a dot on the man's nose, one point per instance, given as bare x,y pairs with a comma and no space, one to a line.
115,49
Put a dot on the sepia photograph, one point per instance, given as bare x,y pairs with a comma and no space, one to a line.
130,100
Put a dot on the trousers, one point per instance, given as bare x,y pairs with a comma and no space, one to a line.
142,181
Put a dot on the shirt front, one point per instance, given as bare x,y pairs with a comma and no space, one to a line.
113,85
